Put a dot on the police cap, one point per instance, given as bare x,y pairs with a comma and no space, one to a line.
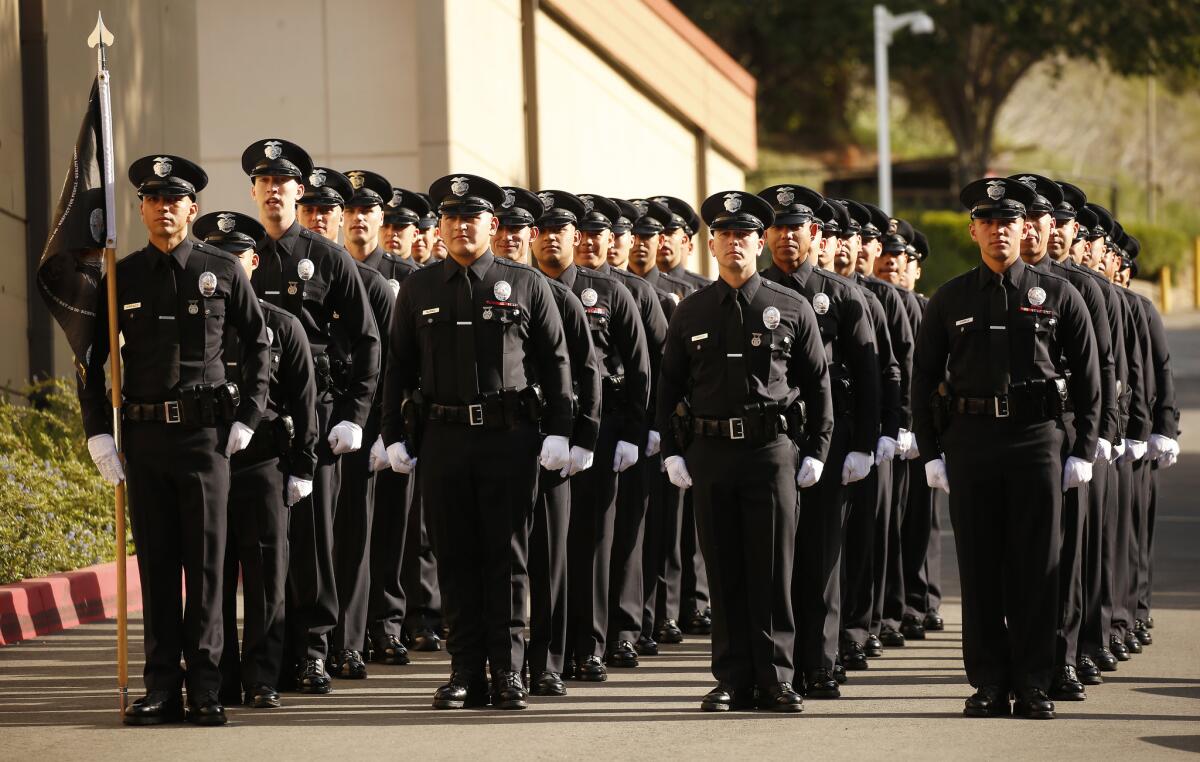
1073,201
737,210
997,198
370,188
793,204
559,208
465,195
276,157
521,208
167,175
626,216
326,187
598,212
1049,193
652,217
233,232
404,208
682,214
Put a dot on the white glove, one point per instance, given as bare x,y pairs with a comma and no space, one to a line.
1157,445
1169,456
108,461
677,472
1104,451
581,460
378,459
856,467
239,438
809,472
625,456
903,441
885,449
653,443
345,437
935,475
913,452
1118,451
556,453
297,489
1076,471
1135,449
399,459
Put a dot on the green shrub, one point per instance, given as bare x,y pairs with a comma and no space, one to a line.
56,513
1160,247
951,250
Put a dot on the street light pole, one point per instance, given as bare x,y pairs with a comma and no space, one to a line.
885,26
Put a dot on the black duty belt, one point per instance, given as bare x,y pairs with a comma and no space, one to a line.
754,428
612,394
1032,401
197,406
494,410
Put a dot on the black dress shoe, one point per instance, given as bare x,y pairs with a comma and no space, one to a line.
890,638
1067,686
780,697
699,623
933,621
854,656
839,673
1142,632
622,656
668,632
646,646
263,697
508,691
1118,649
1033,704
912,628
312,677
725,697
1149,623
462,690
391,650
1087,671
155,708
592,670
988,701
873,648
1105,660
206,709
426,640
1132,644
348,664
548,684
570,669
820,684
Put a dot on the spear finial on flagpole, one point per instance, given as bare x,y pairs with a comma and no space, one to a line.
100,38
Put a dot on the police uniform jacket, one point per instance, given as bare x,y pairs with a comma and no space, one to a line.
585,370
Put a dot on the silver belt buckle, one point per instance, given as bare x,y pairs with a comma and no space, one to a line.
476,414
1001,404
737,428
171,408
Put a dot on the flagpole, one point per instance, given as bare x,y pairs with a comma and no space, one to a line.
101,38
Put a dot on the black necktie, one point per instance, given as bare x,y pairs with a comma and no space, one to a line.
998,356
736,383
464,312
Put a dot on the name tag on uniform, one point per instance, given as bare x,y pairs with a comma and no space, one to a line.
964,321
431,311
166,317
133,306
699,337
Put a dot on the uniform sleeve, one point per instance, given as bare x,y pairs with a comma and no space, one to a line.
403,364
1141,392
380,296
300,381
1079,348
255,361
630,339
94,404
889,375
1165,414
654,323
808,371
929,370
349,299
901,335
1094,299
585,372
856,347
1116,325
673,374
551,358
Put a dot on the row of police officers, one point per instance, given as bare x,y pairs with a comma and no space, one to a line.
490,408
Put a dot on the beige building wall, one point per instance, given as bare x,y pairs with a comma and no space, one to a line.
14,351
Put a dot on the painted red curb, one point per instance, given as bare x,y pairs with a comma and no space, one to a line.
46,605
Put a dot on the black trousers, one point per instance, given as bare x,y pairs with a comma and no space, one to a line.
387,601
352,530
418,567
589,549
889,596
1117,553
1073,526
693,582
626,590
312,601
479,487
664,523
817,571
917,540
746,511
256,546
178,484
548,574
1005,503
1097,578
1145,544
869,500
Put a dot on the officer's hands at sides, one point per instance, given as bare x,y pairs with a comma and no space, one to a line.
856,467
103,449
903,441
581,460
1135,450
809,472
297,489
1104,451
1163,449
345,437
1076,471
556,453
239,438
885,449
653,443
677,472
378,459
935,475
1118,450
625,456
909,441
399,459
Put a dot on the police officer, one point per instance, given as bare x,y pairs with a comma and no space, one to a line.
620,345
995,348
402,215
622,237
427,235
546,651
744,373
477,359
182,423
321,207
313,278
849,345
272,473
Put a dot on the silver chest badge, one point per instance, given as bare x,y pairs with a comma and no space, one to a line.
162,165
226,222
733,202
1037,296
395,284
502,290
589,297
305,269
208,283
272,149
771,318
821,303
